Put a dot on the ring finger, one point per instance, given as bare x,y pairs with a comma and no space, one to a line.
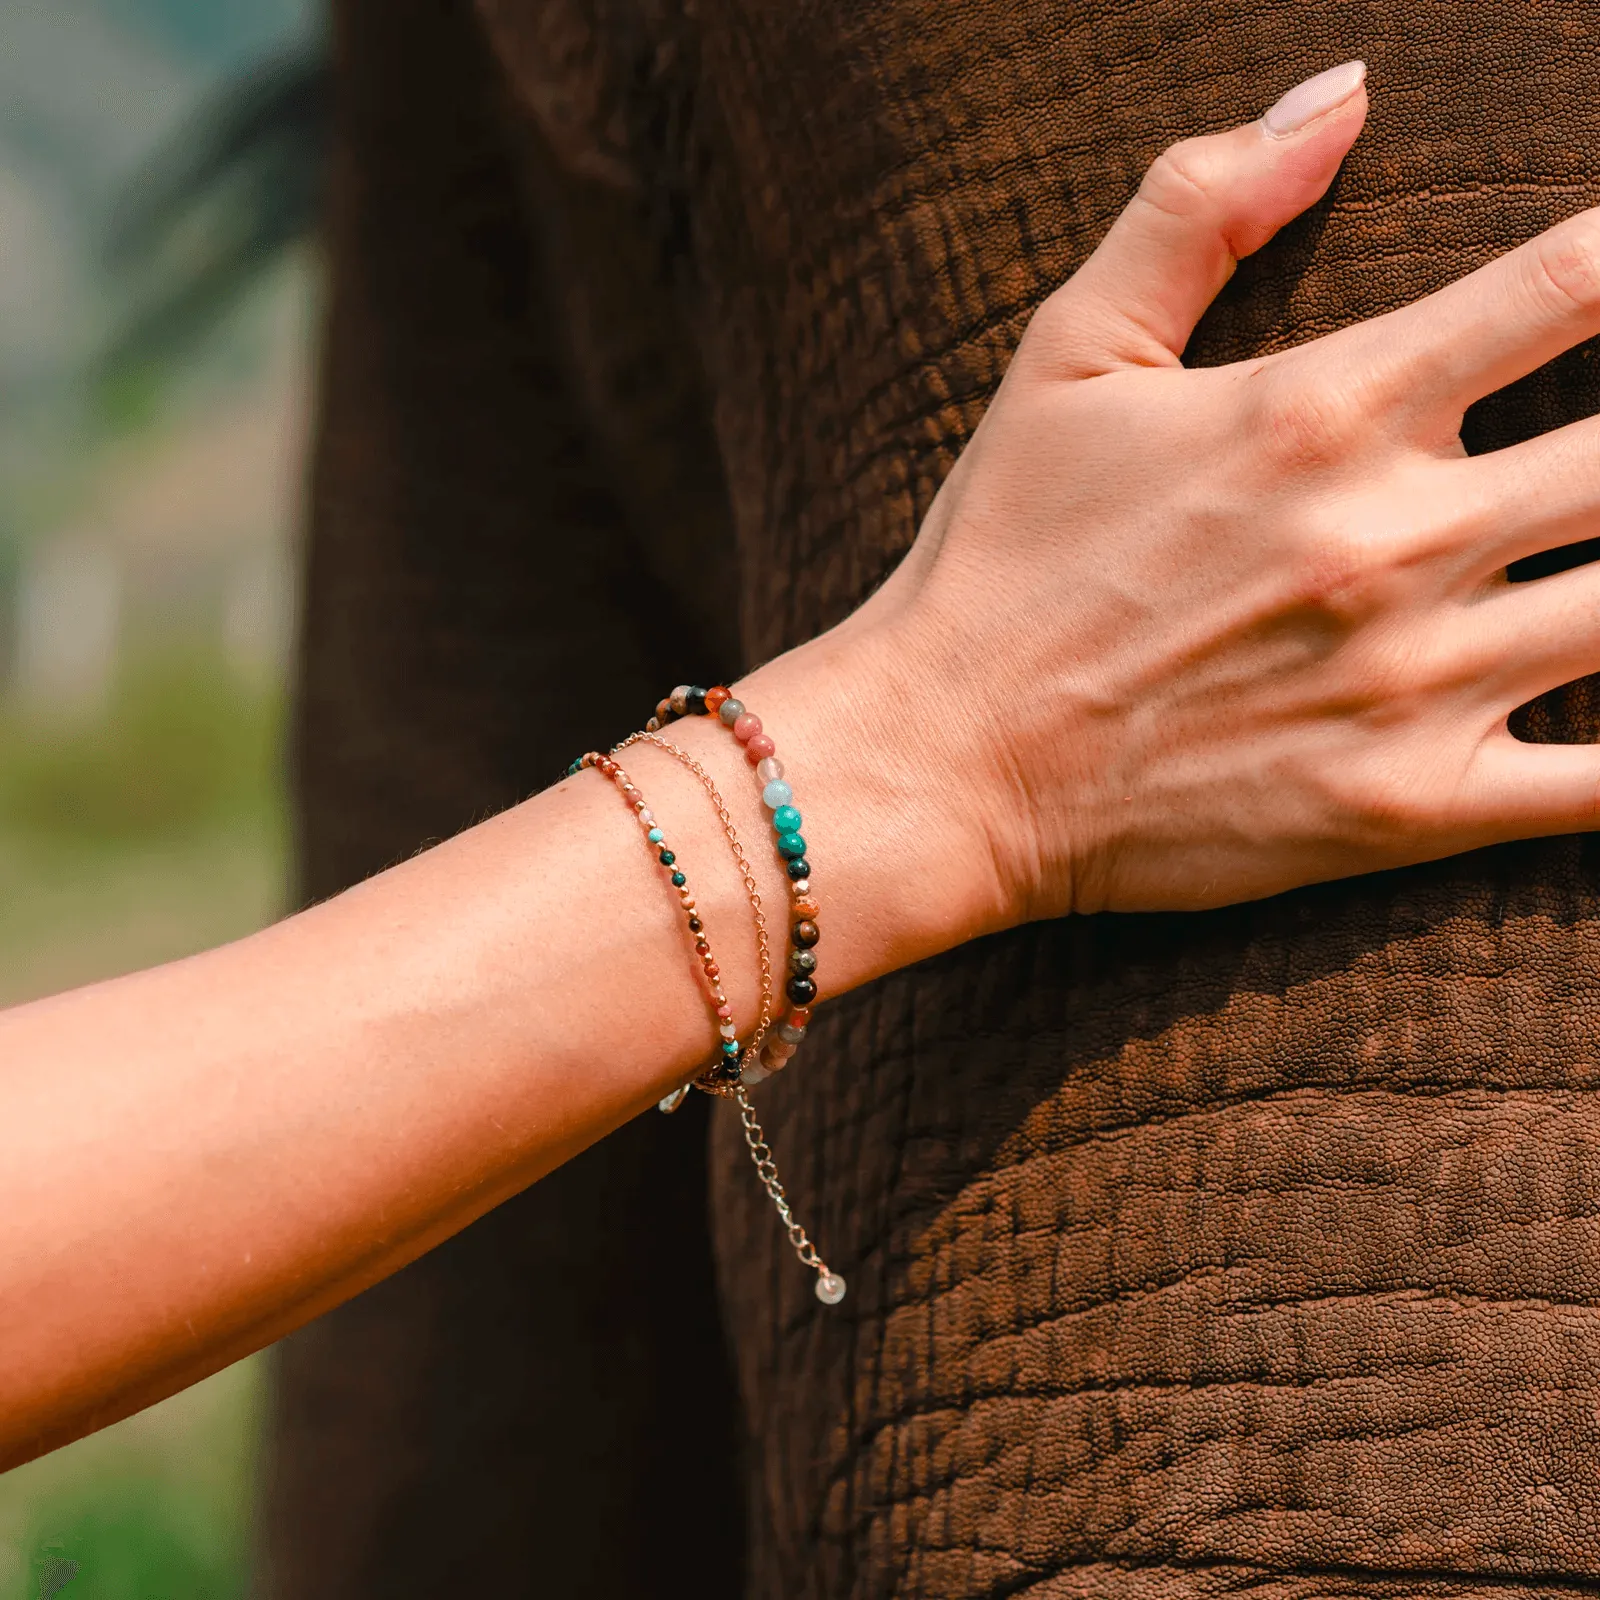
1524,639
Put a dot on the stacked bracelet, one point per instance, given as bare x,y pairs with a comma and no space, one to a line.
723,1074
763,948
733,1069
778,797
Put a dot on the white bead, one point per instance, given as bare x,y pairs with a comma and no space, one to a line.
647,818
752,1074
830,1288
769,770
727,1030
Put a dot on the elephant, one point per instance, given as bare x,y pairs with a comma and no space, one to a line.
1255,1250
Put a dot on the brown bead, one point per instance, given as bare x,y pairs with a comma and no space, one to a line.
805,907
702,947
806,934
713,971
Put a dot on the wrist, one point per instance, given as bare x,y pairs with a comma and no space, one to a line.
904,864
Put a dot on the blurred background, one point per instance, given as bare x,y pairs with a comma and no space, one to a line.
159,171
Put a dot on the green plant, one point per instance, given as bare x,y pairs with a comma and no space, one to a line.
186,744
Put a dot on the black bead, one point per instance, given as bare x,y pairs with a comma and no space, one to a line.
801,990
695,925
666,858
695,700
799,868
803,963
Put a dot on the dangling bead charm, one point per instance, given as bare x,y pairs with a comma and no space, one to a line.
830,1288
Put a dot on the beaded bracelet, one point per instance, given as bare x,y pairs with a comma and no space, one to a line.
763,947
778,797
724,1077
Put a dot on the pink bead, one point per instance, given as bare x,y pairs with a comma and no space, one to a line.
724,1012
759,748
746,727
770,770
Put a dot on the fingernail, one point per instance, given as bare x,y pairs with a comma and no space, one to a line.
1314,98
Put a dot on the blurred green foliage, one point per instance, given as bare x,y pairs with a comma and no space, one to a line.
155,1509
154,826
132,1540
186,744
145,832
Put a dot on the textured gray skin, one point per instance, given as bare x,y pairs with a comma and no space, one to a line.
1248,1252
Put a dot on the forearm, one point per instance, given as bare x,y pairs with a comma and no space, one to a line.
203,1156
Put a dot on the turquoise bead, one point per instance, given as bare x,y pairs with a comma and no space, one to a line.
786,819
791,844
730,1047
678,880
655,836
777,793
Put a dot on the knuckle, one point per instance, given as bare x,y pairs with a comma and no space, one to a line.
1341,587
1389,806
1355,574
1412,806
1387,799
1186,177
1335,576
1564,266
1306,427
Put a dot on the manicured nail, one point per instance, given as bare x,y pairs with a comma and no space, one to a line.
1314,98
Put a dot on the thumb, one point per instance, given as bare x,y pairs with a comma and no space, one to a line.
1203,205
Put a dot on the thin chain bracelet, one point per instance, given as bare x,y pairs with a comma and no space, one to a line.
723,1076
763,947
830,1286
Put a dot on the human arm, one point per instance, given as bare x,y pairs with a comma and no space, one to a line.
1039,713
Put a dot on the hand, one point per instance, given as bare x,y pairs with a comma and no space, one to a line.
1202,636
